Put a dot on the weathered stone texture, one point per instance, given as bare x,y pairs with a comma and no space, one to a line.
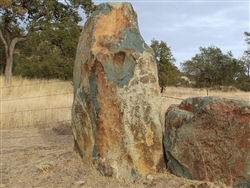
116,108
208,138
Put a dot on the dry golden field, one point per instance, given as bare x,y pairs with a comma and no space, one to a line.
37,141
36,102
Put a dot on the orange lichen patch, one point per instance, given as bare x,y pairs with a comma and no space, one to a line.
149,136
110,130
106,88
146,153
109,29
145,164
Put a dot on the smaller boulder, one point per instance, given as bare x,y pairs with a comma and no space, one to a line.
208,138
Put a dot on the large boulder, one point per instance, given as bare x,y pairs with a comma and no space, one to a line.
117,102
208,138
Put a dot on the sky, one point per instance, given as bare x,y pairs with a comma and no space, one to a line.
187,25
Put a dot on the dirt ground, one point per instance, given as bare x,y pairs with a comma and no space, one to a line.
44,157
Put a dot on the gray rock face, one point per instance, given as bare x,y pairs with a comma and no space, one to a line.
208,138
117,102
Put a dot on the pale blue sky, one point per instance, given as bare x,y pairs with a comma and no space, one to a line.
187,25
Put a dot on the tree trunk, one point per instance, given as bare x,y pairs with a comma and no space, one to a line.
248,70
9,51
8,69
207,86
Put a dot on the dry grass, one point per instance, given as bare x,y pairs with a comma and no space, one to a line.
35,102
43,102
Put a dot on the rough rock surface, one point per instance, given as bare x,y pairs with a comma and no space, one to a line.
208,138
116,108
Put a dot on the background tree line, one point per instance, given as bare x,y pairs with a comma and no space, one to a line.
39,40
208,69
211,68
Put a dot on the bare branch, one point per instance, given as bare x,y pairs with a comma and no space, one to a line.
37,17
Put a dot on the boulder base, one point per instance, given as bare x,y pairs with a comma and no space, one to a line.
116,108
208,138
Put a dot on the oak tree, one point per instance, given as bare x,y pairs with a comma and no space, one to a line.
211,68
168,73
20,19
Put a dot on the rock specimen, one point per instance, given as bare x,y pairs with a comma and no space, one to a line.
116,108
208,138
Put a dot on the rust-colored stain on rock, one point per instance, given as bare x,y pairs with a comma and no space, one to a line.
213,142
109,117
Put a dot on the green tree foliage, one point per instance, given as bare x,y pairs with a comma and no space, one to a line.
42,61
11,31
22,20
246,55
49,53
212,68
244,80
168,73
